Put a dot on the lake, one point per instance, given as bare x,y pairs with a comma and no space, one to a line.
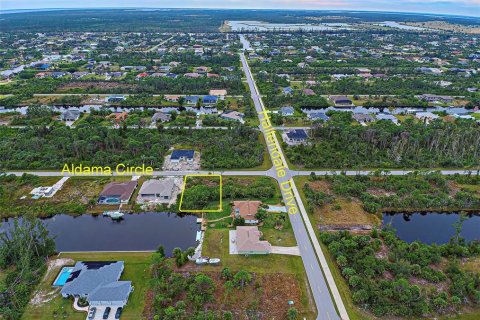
432,227
393,24
267,26
135,232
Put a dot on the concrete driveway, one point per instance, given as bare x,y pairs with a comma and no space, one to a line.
232,245
101,310
293,251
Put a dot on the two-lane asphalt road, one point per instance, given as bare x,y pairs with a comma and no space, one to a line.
318,284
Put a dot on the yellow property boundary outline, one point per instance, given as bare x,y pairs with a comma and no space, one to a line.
185,185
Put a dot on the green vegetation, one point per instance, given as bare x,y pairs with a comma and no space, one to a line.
201,193
275,280
411,191
23,252
340,144
137,270
389,277
94,145
77,196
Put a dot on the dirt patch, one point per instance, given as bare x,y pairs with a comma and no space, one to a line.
453,188
378,192
42,296
320,185
382,253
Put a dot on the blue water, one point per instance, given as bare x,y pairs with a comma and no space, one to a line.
63,276
135,232
432,227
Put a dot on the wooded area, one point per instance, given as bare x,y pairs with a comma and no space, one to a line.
94,145
341,144
390,277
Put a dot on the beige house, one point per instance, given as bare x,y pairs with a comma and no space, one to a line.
221,93
156,191
248,241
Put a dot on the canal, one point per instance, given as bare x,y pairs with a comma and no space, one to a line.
135,232
432,227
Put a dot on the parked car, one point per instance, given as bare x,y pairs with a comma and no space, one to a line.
118,313
91,313
106,313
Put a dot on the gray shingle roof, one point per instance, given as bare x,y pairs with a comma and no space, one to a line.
117,291
86,277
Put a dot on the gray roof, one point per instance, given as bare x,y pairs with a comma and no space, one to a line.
287,109
117,291
159,187
161,116
87,276
71,114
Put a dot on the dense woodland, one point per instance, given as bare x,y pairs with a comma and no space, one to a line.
51,148
161,20
390,277
341,144
412,191
23,254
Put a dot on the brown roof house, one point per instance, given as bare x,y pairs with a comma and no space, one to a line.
248,241
117,192
247,210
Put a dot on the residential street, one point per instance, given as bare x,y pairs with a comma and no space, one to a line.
321,294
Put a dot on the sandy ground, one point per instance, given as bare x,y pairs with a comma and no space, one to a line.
42,296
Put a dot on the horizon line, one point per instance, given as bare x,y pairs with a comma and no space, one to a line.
5,11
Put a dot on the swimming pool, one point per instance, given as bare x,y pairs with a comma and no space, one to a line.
62,277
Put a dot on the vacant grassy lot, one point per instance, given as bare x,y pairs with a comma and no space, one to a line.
342,211
77,196
136,270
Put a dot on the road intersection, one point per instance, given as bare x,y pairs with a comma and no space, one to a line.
324,290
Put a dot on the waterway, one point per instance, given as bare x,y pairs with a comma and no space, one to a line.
267,26
135,232
432,227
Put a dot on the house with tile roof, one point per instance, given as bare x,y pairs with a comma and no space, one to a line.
248,241
247,210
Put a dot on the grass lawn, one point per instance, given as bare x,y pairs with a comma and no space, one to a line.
136,270
216,245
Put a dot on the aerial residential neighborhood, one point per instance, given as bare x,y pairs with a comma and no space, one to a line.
294,162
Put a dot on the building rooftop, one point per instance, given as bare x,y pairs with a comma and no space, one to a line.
124,190
246,209
162,187
248,239
177,154
297,134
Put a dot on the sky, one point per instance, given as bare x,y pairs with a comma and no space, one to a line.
456,7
